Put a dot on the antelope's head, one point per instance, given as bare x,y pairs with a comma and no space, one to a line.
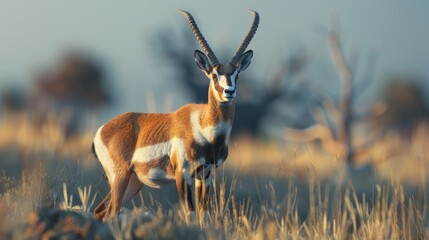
223,77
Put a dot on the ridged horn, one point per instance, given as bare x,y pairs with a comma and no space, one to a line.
247,39
200,38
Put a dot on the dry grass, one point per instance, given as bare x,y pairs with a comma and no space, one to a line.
264,191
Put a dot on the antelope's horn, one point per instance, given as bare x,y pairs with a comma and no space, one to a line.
200,38
247,39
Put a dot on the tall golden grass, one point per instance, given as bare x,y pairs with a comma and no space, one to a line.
266,190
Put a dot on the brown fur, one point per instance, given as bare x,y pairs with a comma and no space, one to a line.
155,134
129,131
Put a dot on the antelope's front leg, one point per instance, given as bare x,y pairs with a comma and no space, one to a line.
202,188
185,193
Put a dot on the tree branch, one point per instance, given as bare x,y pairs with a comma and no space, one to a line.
341,64
362,85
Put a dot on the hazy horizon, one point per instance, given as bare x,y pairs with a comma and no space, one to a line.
35,34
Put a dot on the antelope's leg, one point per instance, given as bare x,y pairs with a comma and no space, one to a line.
102,208
118,188
184,191
134,186
202,188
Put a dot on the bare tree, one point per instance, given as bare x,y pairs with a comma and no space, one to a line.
335,120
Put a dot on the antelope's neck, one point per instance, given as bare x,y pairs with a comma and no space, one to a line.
216,112
213,122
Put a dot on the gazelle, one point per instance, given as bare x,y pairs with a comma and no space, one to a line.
153,149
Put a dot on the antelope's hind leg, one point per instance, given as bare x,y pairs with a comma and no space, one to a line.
117,190
134,186
102,208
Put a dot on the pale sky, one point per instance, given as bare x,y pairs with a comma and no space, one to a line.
35,33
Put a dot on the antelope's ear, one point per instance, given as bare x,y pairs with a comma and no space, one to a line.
245,60
202,62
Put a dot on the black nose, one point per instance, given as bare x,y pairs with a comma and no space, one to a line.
230,91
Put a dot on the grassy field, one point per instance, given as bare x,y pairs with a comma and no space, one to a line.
50,182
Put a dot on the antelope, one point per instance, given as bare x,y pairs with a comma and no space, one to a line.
153,149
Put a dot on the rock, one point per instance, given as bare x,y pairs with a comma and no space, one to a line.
53,223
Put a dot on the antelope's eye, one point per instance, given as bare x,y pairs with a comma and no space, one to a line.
214,76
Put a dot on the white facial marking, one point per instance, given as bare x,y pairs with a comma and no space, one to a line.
208,134
212,86
104,156
223,83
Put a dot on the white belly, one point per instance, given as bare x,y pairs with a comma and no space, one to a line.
156,178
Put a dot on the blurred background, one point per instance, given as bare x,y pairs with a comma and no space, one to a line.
132,45
332,85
